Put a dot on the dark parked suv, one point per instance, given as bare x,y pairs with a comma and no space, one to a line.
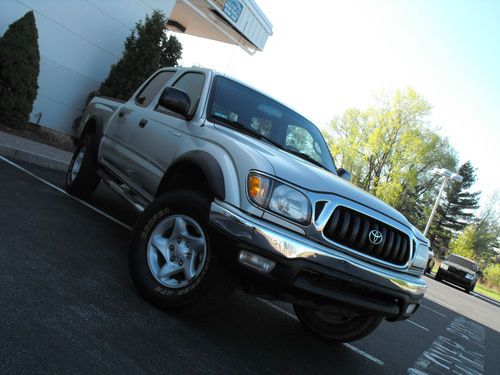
459,271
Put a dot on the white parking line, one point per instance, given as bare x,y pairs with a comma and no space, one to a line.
434,311
65,193
347,345
280,309
364,354
277,308
418,325
440,302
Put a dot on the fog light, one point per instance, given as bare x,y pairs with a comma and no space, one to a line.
256,262
410,309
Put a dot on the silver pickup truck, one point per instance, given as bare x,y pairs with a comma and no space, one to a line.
236,189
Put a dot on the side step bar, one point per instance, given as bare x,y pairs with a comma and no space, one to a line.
122,190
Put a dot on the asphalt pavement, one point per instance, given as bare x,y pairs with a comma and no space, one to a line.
67,305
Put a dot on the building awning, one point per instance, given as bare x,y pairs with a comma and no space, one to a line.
239,22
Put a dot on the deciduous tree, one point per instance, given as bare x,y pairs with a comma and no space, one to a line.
391,149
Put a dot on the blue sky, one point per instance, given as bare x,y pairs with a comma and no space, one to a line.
327,56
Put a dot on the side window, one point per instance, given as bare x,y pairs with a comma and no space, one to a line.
192,84
299,139
149,92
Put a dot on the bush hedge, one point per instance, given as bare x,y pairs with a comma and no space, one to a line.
19,69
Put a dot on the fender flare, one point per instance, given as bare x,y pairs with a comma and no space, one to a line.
210,168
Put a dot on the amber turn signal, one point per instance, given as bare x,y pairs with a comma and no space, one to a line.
258,188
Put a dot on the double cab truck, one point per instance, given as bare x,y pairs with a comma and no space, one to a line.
237,190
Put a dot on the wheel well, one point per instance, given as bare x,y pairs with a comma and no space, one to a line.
90,128
184,176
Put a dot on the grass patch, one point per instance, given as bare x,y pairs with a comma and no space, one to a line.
493,294
436,266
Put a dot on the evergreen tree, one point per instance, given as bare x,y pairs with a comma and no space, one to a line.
487,240
146,49
19,68
457,209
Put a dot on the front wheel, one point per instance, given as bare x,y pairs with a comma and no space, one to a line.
336,327
171,258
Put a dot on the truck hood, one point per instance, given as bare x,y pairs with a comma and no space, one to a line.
313,178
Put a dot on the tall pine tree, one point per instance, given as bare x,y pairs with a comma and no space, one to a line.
146,49
457,209
19,69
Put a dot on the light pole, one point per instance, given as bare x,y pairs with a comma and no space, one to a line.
448,176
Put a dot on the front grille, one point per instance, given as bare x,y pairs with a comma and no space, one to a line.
456,271
351,228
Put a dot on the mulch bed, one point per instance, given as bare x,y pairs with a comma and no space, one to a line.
42,135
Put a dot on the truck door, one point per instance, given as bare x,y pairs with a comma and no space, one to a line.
159,132
116,150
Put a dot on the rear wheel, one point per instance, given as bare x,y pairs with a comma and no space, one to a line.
437,277
336,327
81,177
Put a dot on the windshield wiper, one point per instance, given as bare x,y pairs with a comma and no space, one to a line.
256,134
306,157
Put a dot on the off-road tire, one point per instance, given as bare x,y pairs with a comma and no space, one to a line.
352,329
86,180
209,289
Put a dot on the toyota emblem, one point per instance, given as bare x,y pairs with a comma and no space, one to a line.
375,237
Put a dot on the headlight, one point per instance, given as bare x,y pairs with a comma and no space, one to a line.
469,276
444,267
279,198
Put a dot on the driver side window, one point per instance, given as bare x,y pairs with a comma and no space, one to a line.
153,87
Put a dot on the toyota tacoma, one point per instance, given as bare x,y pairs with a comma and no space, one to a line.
236,189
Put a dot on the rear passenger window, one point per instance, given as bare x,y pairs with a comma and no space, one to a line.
153,87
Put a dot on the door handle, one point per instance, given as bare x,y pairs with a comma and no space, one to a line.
143,123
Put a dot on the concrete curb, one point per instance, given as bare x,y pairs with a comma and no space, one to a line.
33,158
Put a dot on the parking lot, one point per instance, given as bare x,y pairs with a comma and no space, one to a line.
67,305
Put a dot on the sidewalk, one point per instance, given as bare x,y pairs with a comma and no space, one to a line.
19,148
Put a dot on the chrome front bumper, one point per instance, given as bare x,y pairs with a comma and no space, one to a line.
286,243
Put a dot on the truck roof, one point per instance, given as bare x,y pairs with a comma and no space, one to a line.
215,72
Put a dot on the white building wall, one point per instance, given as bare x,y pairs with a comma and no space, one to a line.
78,41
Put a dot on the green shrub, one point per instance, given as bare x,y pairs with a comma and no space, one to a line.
19,68
146,49
491,275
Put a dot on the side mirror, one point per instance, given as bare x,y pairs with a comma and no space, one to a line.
175,100
344,174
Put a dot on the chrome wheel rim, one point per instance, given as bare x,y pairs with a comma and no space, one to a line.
177,251
77,164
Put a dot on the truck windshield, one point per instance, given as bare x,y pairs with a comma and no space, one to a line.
462,262
246,110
